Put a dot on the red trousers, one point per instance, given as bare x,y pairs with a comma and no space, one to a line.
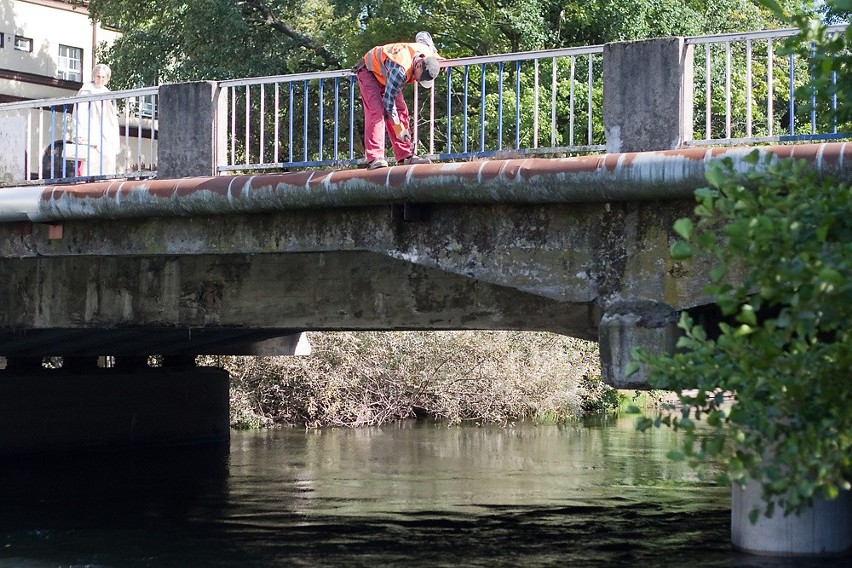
375,124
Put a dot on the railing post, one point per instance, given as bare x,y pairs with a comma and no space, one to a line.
647,103
191,136
13,156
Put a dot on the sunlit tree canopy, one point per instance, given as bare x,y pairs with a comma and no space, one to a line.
165,41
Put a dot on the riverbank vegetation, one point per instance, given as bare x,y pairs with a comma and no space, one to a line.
371,378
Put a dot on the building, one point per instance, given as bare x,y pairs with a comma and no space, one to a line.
47,48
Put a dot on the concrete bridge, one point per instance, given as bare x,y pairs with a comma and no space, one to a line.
192,263
244,264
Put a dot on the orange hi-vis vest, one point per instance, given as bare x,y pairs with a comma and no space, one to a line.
400,53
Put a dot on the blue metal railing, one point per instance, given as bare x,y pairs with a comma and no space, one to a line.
543,102
719,121
479,117
518,129
44,132
287,121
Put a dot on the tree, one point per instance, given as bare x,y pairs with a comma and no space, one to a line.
166,41
784,347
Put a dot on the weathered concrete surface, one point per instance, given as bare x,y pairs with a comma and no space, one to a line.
61,411
207,283
161,271
13,148
176,304
648,97
627,325
642,176
192,140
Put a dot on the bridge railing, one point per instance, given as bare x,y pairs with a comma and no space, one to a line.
544,102
307,119
518,103
480,106
745,92
39,137
735,89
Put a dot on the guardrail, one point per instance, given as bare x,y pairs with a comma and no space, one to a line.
544,102
315,119
39,137
740,81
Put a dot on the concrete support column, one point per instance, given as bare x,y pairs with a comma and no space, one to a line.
647,101
191,138
57,411
650,325
823,530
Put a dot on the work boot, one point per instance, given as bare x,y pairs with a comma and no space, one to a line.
414,159
378,163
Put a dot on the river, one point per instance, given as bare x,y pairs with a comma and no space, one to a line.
597,493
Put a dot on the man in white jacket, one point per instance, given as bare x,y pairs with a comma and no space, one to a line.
96,128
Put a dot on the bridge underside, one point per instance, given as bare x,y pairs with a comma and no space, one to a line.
249,283
129,342
236,304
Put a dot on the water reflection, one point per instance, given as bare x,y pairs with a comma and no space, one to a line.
419,494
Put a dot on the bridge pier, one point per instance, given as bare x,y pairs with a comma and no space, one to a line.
825,529
627,325
55,410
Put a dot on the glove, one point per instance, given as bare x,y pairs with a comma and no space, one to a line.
402,132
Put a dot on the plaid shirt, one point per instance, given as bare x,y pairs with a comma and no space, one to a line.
395,83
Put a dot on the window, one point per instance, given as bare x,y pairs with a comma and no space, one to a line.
70,63
24,43
147,106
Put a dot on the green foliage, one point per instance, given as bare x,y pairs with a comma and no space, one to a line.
165,41
599,397
782,239
784,348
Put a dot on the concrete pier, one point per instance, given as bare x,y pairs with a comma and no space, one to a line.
56,411
822,530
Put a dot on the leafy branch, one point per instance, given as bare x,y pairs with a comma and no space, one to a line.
258,12
783,348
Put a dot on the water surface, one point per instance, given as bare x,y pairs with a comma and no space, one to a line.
417,494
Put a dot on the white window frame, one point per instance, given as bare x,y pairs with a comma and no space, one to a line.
23,43
67,68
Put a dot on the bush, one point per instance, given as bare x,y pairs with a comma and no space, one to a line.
785,349
370,378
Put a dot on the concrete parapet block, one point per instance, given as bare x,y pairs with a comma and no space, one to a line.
647,102
191,139
649,325
56,411
822,530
